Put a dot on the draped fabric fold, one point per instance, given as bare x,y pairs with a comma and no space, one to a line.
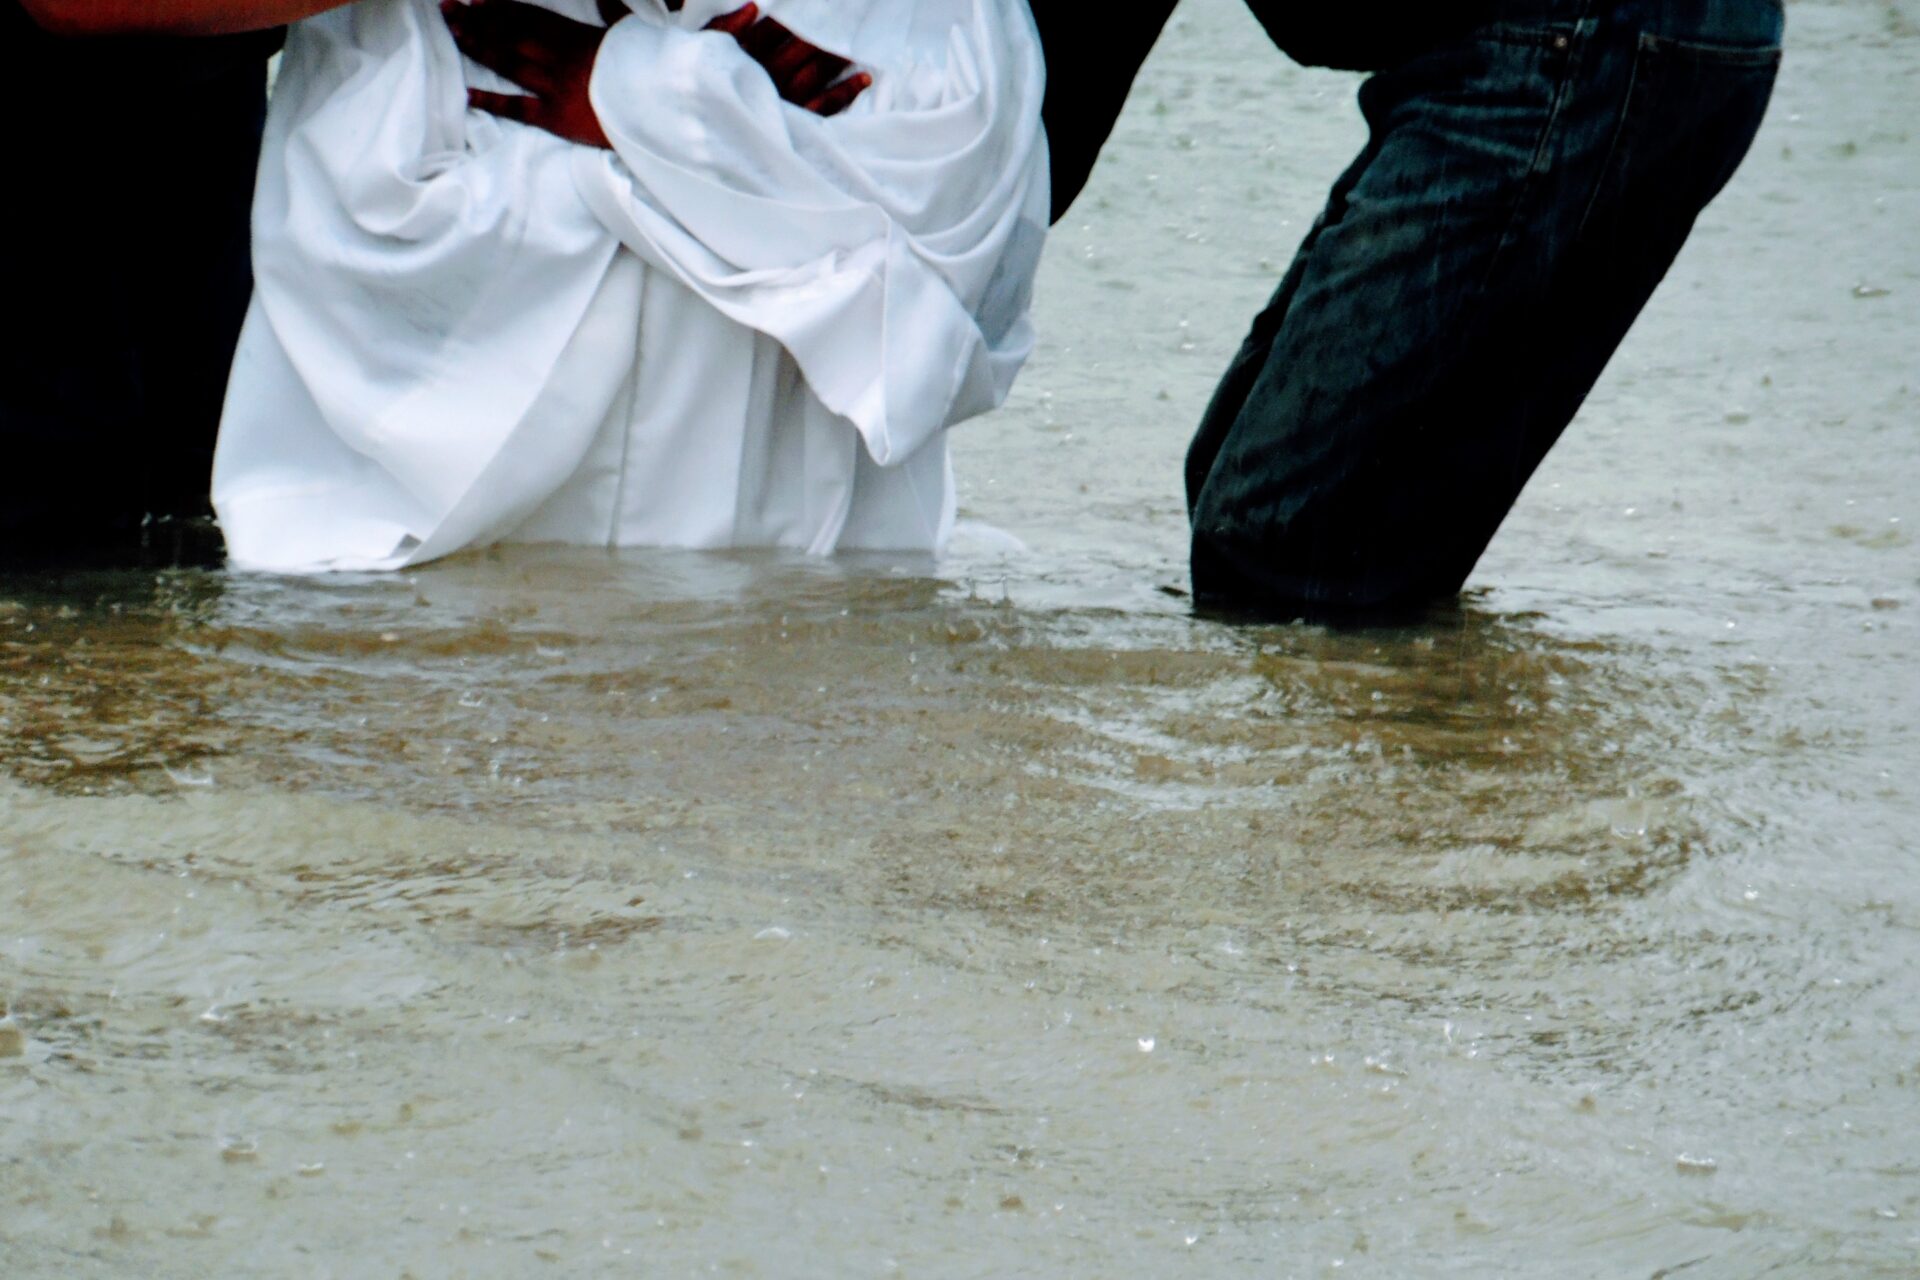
745,325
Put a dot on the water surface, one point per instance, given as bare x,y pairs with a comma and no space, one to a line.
668,914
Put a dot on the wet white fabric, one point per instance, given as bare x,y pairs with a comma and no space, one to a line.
745,326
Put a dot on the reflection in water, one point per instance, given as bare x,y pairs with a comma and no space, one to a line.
737,887
95,696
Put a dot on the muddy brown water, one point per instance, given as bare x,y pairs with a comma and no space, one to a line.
666,914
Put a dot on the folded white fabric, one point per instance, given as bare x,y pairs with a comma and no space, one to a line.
746,325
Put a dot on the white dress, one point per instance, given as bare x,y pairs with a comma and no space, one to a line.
744,326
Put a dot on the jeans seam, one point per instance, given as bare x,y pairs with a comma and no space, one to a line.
1563,92
1732,55
1619,147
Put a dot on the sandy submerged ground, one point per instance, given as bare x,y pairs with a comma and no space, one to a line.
672,914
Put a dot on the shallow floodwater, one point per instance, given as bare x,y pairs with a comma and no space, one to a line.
665,914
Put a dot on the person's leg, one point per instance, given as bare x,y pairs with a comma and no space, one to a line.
70,392
192,297
1524,191
112,387
1250,362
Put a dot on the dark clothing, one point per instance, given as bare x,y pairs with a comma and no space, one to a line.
1524,190
1091,62
112,68
123,254
1092,55
1533,168
1366,35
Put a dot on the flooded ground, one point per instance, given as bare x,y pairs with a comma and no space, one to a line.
666,914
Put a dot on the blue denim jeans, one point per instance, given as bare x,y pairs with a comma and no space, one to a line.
1523,192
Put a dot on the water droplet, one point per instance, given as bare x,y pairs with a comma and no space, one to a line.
1147,1043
